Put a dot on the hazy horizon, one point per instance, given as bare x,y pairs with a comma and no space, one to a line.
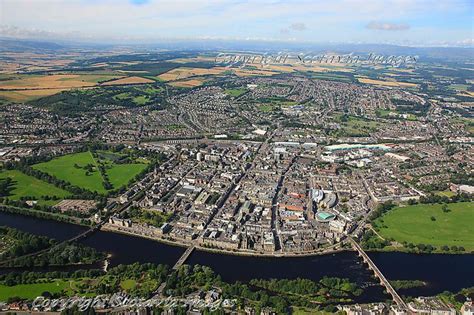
398,22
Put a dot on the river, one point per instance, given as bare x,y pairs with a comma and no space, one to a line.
440,272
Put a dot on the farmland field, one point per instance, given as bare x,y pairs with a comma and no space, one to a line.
129,80
187,83
387,83
55,81
414,224
28,186
183,73
27,95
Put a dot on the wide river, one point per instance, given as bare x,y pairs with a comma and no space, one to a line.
440,272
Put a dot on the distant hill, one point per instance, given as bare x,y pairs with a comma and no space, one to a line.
432,53
19,45
426,53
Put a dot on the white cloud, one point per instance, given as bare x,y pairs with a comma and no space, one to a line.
298,26
381,26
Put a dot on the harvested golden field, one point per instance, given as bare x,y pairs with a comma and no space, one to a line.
243,72
127,63
9,67
55,81
187,83
27,95
183,73
133,71
193,59
129,80
410,70
466,93
309,67
100,64
279,68
387,83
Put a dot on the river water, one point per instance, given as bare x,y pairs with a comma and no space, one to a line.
440,272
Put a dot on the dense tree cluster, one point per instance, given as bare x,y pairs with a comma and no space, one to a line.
76,102
27,277
381,209
370,241
24,243
278,295
6,185
63,254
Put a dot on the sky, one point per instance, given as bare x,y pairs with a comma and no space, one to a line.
405,22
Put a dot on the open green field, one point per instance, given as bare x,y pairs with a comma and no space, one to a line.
356,126
459,87
63,168
265,108
138,100
24,185
121,174
141,100
307,311
468,123
342,77
31,291
235,92
446,193
128,284
384,113
81,169
413,224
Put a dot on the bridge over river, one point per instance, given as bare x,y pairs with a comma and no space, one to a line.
184,257
383,281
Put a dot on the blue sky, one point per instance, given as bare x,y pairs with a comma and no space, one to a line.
413,22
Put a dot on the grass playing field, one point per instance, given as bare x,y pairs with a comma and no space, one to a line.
414,224
31,291
24,185
72,168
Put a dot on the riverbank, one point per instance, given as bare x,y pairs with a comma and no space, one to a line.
433,269
336,248
392,249
42,214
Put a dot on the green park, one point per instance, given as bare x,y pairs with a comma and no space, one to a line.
25,186
439,225
88,172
